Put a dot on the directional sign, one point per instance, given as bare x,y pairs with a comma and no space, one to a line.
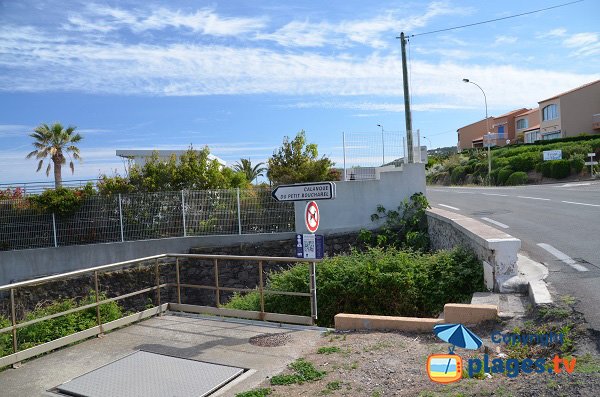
591,163
312,216
591,154
305,191
309,246
552,155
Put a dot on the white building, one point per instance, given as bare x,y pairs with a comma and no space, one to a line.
140,157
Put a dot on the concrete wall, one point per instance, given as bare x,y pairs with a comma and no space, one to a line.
578,109
496,249
33,263
356,200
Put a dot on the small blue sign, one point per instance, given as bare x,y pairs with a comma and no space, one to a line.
310,246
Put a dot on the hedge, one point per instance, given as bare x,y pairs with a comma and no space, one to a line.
503,175
517,178
377,281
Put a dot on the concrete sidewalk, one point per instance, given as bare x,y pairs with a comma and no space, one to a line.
185,336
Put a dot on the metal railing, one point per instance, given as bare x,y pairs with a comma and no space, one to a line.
19,355
30,188
144,216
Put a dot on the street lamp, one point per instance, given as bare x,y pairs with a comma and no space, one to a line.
487,122
382,144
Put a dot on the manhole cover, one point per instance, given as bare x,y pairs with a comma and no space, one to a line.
270,340
149,374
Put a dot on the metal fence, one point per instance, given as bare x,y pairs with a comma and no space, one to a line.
143,216
31,188
364,152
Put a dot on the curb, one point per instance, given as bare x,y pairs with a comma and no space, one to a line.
453,313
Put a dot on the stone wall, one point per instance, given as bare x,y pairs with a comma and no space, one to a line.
233,274
496,249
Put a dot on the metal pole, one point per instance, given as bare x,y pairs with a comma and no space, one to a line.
407,115
13,319
121,218
487,123
178,284
217,291
404,149
54,230
419,145
344,150
261,290
157,272
96,289
183,213
313,290
239,213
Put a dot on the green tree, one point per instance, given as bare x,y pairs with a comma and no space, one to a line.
296,161
194,170
245,166
54,142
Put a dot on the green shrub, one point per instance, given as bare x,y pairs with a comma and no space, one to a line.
61,201
577,162
48,330
503,175
560,169
458,175
524,162
545,168
517,178
481,169
378,281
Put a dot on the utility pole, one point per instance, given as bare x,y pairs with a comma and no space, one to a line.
407,115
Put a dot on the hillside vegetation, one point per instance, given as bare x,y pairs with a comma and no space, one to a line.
514,165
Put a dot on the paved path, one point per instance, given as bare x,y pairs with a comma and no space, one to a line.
192,337
558,225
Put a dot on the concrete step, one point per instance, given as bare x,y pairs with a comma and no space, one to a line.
509,305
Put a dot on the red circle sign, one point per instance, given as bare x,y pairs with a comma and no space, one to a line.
312,216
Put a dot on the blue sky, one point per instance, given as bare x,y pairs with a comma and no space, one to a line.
238,76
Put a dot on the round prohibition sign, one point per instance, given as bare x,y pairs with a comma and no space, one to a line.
312,216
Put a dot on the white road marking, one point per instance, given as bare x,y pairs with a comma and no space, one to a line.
573,202
447,206
563,257
495,194
502,225
574,184
534,198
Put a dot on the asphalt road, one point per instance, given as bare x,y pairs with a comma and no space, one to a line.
558,224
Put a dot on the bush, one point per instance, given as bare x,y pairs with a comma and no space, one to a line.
503,175
458,175
524,162
561,169
46,331
61,201
378,281
577,163
517,178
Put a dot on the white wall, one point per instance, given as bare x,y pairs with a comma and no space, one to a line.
356,200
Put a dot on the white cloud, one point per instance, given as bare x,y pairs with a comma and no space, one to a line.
584,44
206,21
503,40
554,33
13,130
367,32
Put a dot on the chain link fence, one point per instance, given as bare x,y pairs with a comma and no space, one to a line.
363,153
143,216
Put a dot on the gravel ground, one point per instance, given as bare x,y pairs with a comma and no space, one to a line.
379,364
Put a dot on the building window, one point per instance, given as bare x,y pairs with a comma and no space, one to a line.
500,131
553,135
532,136
522,124
550,112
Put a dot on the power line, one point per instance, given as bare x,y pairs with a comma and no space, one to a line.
497,19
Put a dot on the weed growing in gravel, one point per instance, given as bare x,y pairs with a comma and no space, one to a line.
556,313
304,371
255,393
587,364
328,350
568,300
378,346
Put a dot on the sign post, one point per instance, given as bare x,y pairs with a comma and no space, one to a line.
591,163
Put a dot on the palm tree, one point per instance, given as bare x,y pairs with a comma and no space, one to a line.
54,141
245,166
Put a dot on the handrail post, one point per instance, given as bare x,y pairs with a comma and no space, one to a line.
121,218
261,290
98,318
239,213
157,272
13,318
217,291
178,284
183,213
313,290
